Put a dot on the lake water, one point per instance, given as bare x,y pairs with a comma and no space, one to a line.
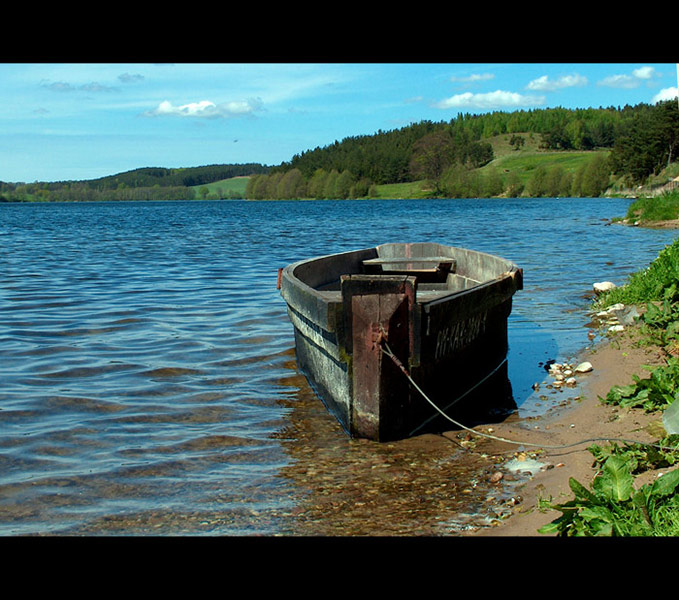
148,383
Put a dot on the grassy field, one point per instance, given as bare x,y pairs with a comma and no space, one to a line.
395,191
507,160
226,188
523,162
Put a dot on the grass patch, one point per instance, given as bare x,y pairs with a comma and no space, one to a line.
650,285
232,188
397,191
664,207
525,162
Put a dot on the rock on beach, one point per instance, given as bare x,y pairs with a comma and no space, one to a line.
564,374
603,286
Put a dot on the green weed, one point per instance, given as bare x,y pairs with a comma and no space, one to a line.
641,457
657,283
614,508
664,207
652,393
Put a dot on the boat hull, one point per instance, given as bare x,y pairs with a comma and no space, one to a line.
380,338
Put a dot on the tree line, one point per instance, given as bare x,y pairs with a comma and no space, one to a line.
292,185
181,177
148,183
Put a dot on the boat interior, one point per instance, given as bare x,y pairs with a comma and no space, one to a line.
434,266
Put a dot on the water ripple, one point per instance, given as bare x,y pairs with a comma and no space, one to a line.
148,381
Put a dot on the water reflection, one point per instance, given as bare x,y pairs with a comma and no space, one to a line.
358,487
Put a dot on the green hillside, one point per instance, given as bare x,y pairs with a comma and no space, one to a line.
525,161
509,163
224,189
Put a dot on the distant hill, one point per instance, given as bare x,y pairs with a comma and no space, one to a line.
147,183
183,177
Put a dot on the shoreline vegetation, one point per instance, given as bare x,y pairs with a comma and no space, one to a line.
614,505
625,481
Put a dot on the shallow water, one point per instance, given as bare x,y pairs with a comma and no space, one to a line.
147,373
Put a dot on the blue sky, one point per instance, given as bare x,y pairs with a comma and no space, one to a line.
82,121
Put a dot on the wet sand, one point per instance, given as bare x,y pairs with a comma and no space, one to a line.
615,361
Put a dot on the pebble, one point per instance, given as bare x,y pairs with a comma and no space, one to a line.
564,374
603,286
496,477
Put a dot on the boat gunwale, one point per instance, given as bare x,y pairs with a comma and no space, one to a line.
334,296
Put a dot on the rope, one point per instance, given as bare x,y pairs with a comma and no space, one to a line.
388,352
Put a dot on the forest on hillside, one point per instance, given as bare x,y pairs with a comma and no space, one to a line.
639,142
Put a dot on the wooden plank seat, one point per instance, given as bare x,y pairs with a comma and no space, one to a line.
426,268
435,260
424,264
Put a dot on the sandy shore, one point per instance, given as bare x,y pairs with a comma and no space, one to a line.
615,361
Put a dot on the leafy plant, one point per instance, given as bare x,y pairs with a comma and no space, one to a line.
641,457
653,393
660,322
614,508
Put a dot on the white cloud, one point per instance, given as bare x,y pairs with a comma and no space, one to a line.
206,109
666,94
491,100
620,81
634,80
473,78
544,84
644,72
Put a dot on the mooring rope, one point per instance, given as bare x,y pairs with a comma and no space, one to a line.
388,352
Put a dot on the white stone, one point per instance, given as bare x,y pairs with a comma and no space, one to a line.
584,367
603,286
616,328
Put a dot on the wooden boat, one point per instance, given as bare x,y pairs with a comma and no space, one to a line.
374,325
